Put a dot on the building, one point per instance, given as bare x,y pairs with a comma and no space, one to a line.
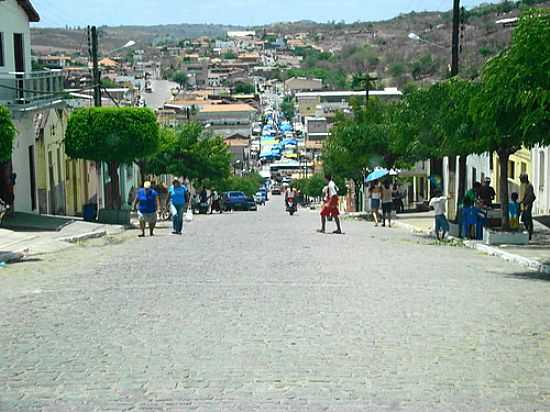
302,84
51,167
540,174
54,62
228,119
313,103
316,129
239,147
25,93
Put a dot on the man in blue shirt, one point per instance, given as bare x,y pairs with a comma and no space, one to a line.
148,203
177,196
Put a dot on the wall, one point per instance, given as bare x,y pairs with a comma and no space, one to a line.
13,19
541,178
20,159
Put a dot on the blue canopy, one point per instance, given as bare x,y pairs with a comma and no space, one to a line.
377,174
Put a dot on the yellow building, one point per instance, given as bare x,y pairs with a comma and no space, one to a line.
49,126
519,163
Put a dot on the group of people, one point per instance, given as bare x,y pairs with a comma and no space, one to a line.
483,196
147,202
387,198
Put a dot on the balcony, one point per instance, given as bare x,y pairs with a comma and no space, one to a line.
21,91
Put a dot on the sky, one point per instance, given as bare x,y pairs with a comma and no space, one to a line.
58,13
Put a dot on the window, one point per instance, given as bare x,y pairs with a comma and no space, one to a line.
474,175
523,168
511,170
1,49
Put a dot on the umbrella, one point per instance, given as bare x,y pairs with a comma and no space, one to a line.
377,174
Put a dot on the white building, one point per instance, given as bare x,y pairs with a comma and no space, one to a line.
540,157
24,92
228,119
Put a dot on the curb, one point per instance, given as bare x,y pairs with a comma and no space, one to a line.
509,257
411,228
490,251
84,236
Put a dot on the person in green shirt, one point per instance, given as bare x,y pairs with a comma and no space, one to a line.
472,195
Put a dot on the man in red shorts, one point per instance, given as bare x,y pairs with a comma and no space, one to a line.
330,207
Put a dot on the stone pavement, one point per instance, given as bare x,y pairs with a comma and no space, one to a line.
536,255
14,244
257,312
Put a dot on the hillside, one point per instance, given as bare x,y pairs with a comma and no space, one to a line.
46,40
382,47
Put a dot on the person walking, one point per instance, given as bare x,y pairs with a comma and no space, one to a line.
147,204
397,199
330,207
177,196
527,204
387,204
375,195
438,203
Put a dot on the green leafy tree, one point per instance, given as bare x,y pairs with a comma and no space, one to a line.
361,143
7,134
187,151
513,106
230,55
7,137
180,78
288,108
244,88
113,135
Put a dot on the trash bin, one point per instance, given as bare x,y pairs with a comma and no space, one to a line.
89,212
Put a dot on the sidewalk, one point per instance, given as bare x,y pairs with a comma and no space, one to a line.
25,242
535,256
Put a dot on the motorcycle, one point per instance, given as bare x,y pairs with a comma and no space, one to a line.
203,208
291,206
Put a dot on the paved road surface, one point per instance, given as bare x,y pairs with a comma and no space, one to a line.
161,93
256,312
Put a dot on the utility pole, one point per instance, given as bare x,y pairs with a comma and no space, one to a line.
455,39
367,79
96,74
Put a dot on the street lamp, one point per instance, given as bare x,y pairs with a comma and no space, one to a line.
126,46
416,37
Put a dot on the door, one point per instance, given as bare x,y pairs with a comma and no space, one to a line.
32,174
19,55
51,192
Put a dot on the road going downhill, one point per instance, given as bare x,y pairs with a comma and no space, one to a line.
255,311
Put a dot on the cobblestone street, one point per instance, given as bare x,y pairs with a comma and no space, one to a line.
257,312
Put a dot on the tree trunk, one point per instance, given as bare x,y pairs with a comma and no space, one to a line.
6,188
503,157
115,185
461,185
357,189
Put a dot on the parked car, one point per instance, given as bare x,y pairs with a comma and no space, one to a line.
235,201
276,190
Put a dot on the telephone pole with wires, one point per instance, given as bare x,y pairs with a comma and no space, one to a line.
455,38
96,74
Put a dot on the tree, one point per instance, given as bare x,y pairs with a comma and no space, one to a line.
513,106
7,137
112,135
7,134
229,55
180,78
244,88
361,143
288,108
188,152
